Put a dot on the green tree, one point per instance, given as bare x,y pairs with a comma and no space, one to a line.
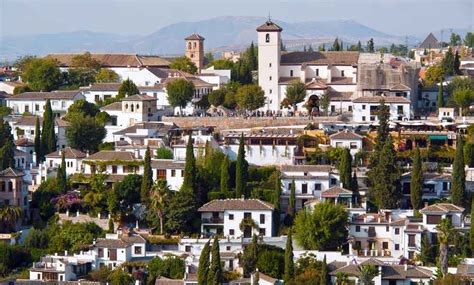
336,46
120,277
440,99
359,46
448,62
189,181
61,176
127,88
180,212
250,97
225,175
458,178
469,39
83,70
164,153
48,135
323,228
445,234
214,275
471,230
241,170
38,156
127,194
147,179
250,56
289,263
469,154
426,250
463,98
455,39
82,108
203,267
416,183
256,278
221,63
106,75
179,92
434,74
170,267
345,168
158,196
295,94
368,273
324,272
291,211
9,216
216,97
41,74
111,226
276,199
184,64
85,134
250,256
457,63
370,45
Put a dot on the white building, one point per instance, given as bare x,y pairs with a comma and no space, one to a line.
228,216
33,103
62,267
115,249
435,186
9,86
310,181
365,108
347,139
170,170
72,157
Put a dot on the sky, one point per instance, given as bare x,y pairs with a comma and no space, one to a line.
396,17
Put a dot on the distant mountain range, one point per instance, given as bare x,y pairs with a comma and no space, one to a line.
221,33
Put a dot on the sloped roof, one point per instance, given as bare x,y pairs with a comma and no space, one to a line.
269,26
334,192
378,99
139,97
400,87
345,135
24,142
321,57
115,106
112,155
53,95
111,86
115,60
221,205
69,153
160,127
372,261
195,36
430,42
10,172
160,280
443,208
306,168
166,164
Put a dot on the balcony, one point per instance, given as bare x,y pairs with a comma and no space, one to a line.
212,220
374,252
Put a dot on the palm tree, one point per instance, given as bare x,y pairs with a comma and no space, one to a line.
367,273
159,192
445,233
10,215
342,278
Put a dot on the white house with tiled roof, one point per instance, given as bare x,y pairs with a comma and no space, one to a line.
72,157
237,218
34,102
115,249
13,189
365,108
347,139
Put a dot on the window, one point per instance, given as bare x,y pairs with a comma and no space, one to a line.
384,245
363,118
317,71
357,229
317,186
363,107
247,215
397,246
270,91
194,45
342,73
349,108
231,216
138,250
411,240
433,219
353,145
261,232
411,254
387,229
231,232
262,218
333,181
10,186
304,188
445,186
173,173
161,173
291,73
270,64
189,45
333,108
397,231
114,169
267,38
227,248
101,252
37,107
188,248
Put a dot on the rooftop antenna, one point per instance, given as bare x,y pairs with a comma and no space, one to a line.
269,17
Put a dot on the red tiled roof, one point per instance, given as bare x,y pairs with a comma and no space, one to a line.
269,26
346,135
235,204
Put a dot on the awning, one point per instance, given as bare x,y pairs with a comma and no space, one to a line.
438,137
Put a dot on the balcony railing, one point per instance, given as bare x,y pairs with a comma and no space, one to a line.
213,221
374,252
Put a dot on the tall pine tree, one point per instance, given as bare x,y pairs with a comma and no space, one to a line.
7,148
48,135
147,179
203,267
289,262
345,168
324,272
416,183
189,182
225,175
250,256
355,189
292,201
458,178
241,170
38,156
440,99
61,176
276,201
214,276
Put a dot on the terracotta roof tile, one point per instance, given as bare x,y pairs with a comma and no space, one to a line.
334,192
235,204
10,172
53,95
321,58
139,97
115,60
195,36
112,155
345,135
377,99
306,168
442,208
116,106
69,153
269,26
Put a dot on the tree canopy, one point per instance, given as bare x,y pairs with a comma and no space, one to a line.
184,64
250,97
180,92
295,93
41,74
85,134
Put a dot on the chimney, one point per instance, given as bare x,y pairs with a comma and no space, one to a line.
405,266
65,253
426,204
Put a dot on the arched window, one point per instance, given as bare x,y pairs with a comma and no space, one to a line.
131,107
138,107
2,186
189,45
126,106
194,44
10,186
267,38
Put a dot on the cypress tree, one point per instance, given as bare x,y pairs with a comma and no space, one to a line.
416,183
345,168
289,263
48,135
359,46
471,231
111,226
203,268
61,175
225,175
457,63
256,278
458,182
147,179
324,272
292,201
440,99
355,188
276,201
214,276
38,155
250,257
7,148
241,170
469,154
189,181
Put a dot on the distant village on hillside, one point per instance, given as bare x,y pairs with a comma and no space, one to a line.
332,164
